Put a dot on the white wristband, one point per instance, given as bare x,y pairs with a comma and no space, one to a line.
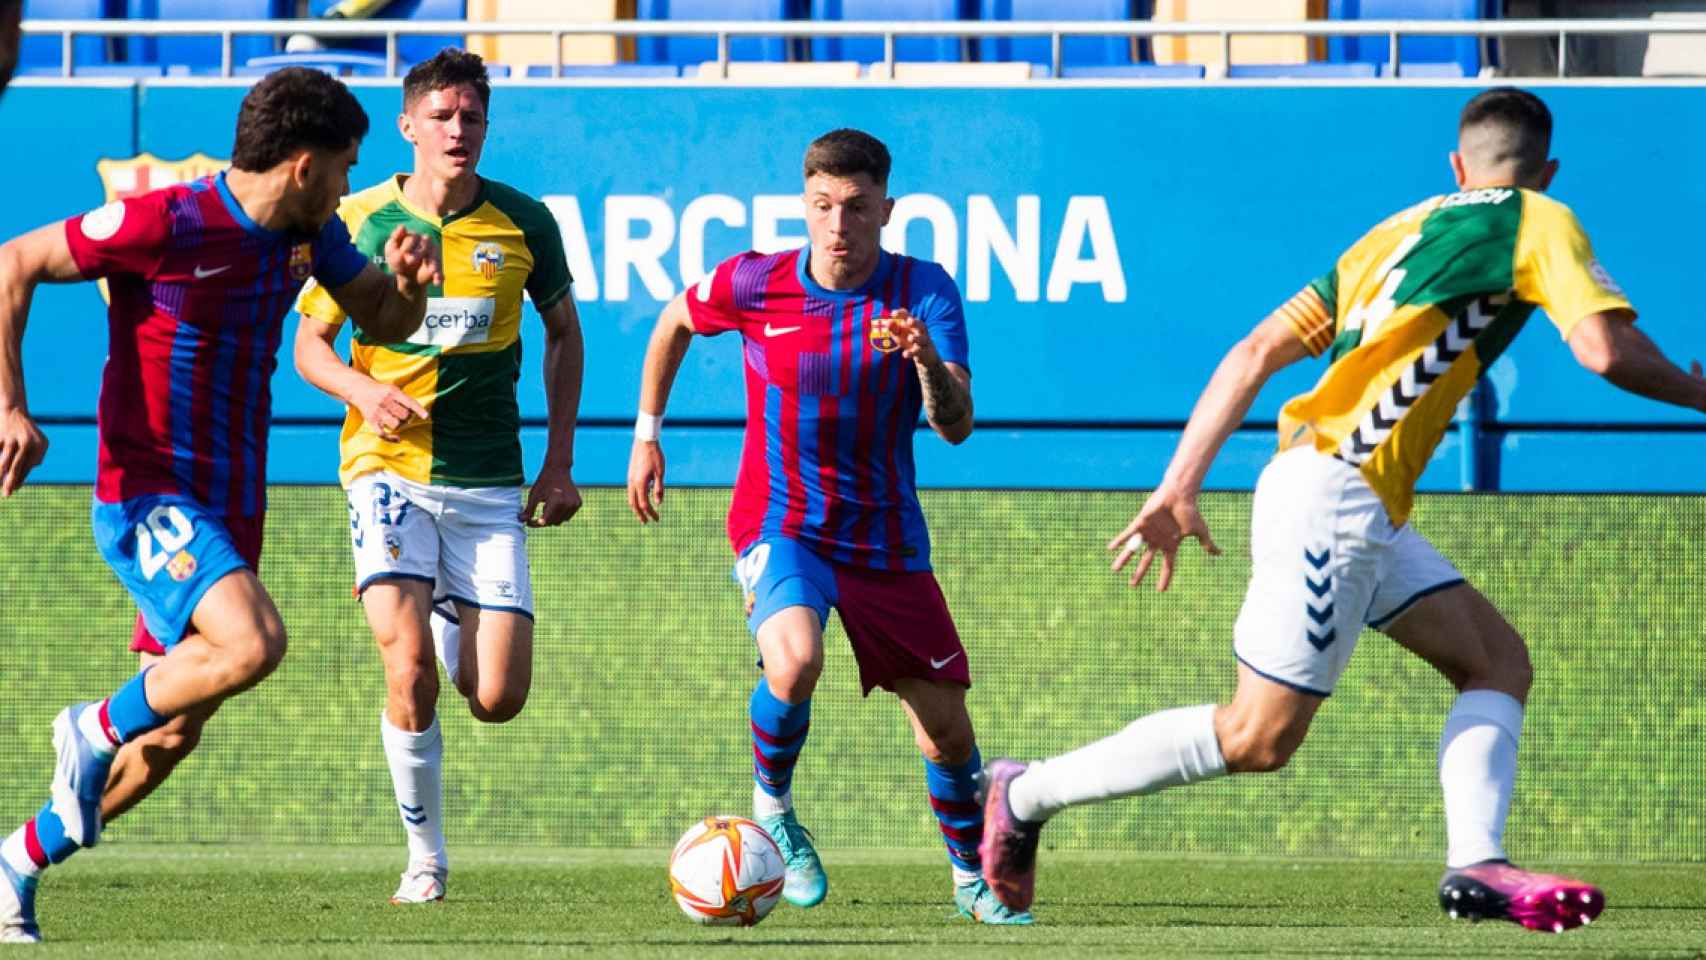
647,426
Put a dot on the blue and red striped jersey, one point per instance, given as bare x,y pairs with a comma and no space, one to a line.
831,404
199,295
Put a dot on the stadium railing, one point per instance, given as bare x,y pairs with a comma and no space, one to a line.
889,31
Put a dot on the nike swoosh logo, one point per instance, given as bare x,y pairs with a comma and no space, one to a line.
936,664
201,274
770,331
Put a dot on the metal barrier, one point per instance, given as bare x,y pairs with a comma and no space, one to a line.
889,31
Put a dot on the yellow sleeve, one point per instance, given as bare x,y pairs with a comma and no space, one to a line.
317,303
1556,268
314,301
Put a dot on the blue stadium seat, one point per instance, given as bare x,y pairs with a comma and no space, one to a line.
1449,70
40,55
866,49
635,71
1465,51
1074,51
202,54
338,63
1300,71
410,49
1134,71
128,71
691,50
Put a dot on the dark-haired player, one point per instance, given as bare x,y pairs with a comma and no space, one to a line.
845,344
431,444
1409,317
201,276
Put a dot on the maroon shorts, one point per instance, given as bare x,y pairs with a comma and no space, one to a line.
899,627
246,537
898,623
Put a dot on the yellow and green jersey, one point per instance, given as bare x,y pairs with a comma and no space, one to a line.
463,362
1413,313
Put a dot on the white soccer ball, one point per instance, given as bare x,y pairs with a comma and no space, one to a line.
726,871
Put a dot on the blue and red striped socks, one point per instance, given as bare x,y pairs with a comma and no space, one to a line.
778,732
107,725
953,797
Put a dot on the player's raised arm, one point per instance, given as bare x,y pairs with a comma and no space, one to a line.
1170,514
554,497
40,256
664,353
390,308
1609,344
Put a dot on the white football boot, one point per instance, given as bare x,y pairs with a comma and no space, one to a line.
421,884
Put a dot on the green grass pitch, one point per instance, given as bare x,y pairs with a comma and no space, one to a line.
175,902
636,727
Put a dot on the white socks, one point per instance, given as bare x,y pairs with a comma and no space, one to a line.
447,642
1477,771
416,761
14,851
764,805
1164,749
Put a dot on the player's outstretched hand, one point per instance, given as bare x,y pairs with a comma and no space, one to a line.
645,480
1160,527
386,409
413,259
553,498
913,337
22,447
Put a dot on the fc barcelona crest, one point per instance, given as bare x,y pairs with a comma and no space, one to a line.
883,339
134,176
488,260
301,261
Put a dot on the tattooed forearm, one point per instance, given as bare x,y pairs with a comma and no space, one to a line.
946,399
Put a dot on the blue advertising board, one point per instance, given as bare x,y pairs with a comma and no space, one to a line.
1111,244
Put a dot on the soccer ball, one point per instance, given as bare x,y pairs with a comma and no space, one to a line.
726,871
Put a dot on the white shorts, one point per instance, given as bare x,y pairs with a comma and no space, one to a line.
1326,561
468,542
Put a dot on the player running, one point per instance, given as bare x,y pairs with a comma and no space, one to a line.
844,344
436,516
201,276
1409,318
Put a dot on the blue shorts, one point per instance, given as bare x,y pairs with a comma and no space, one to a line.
897,623
168,551
778,573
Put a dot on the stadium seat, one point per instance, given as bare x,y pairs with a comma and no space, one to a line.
128,71
201,55
689,51
338,63
762,72
1425,71
616,71
40,55
410,49
1300,71
1674,54
1249,48
867,49
525,50
1134,71
1009,72
1465,51
1074,51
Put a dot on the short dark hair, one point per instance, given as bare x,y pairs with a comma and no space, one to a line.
1523,120
294,109
450,67
846,152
